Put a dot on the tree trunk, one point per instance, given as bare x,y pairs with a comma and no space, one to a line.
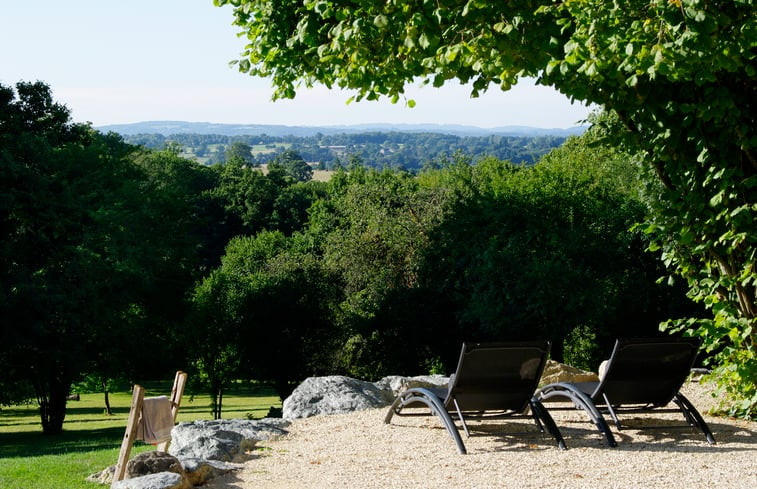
214,404
51,397
283,387
108,410
220,403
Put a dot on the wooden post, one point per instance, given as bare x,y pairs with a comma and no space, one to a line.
177,391
138,395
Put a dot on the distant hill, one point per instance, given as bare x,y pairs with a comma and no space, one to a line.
167,128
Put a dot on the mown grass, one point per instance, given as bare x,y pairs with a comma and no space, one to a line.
91,439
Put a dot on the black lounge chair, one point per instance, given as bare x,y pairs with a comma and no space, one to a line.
642,375
499,377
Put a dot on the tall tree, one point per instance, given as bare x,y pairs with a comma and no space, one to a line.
70,254
373,231
293,166
679,74
268,308
239,151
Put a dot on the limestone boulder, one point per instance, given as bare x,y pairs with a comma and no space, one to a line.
226,440
332,395
394,385
560,372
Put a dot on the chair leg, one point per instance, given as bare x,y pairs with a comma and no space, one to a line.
537,420
613,415
690,412
432,401
580,400
541,412
462,418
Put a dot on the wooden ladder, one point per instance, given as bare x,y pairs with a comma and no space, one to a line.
137,396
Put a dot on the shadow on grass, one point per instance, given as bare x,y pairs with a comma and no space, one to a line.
33,444
72,410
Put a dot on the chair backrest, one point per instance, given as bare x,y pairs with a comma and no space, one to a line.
647,371
497,376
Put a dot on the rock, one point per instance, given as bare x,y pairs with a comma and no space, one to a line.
394,385
199,472
152,462
218,445
226,440
559,372
332,395
105,476
162,480
698,373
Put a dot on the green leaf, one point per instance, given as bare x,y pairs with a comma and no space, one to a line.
380,21
424,41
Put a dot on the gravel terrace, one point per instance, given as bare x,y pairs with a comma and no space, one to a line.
358,450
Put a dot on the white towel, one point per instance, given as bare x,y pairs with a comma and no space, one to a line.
156,421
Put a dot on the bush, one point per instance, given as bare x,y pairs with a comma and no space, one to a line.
580,348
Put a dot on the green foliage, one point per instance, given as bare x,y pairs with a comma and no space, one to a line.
214,334
373,231
435,366
253,201
267,309
678,75
71,222
532,252
239,152
491,251
581,349
102,243
291,164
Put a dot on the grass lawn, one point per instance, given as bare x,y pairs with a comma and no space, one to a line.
91,440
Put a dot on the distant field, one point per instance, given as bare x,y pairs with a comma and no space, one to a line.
269,148
91,440
322,175
318,175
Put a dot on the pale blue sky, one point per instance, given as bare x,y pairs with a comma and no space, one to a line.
120,61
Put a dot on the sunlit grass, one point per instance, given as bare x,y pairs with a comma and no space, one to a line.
91,439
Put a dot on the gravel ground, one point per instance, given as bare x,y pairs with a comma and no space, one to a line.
358,450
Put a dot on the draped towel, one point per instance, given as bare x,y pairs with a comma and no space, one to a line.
156,421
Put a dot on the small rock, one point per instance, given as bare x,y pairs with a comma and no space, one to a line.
162,480
152,462
200,472
105,476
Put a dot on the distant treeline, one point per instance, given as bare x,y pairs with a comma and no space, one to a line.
399,150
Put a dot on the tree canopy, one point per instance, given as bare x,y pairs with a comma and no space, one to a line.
678,75
247,274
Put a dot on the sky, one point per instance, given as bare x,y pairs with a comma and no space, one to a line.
123,61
